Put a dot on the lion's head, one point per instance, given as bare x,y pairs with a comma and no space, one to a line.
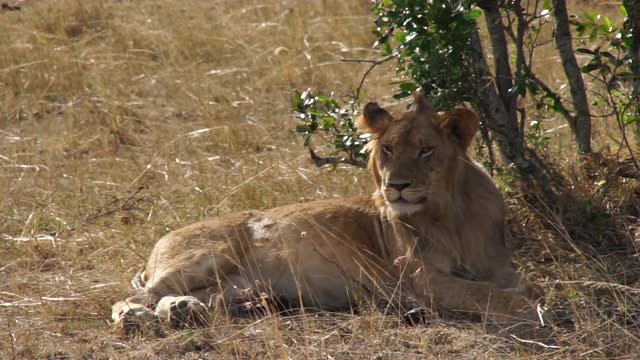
415,157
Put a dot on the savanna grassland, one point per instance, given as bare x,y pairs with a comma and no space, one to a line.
123,120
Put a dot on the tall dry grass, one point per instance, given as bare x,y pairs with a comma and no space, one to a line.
122,120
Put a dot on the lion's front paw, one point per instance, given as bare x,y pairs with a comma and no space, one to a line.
530,327
136,319
523,319
517,310
528,289
183,311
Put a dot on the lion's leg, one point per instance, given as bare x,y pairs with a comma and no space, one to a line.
235,291
512,281
175,293
185,293
474,297
133,316
143,313
178,311
513,313
254,300
182,311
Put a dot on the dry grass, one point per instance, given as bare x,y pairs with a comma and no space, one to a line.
122,120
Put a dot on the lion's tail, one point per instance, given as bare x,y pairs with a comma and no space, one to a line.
138,282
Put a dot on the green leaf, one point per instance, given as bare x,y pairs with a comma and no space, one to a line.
589,68
546,5
608,55
581,28
624,74
585,51
474,14
623,10
328,122
387,49
400,36
408,87
630,118
593,16
298,103
401,95
607,23
322,99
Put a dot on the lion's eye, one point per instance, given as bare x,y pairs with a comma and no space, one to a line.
387,149
425,151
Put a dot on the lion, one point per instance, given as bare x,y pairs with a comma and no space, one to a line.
431,236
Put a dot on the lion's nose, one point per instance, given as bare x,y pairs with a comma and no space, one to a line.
399,184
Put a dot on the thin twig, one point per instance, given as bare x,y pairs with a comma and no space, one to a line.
536,343
322,161
370,61
237,187
560,106
115,205
20,66
11,338
345,274
374,63
600,285
619,121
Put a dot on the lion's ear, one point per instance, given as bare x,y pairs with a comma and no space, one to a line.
462,124
421,104
374,119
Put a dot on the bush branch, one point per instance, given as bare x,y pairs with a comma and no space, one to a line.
374,63
322,161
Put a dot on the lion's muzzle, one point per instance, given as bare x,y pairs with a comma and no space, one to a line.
403,197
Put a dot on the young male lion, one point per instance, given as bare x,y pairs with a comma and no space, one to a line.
432,234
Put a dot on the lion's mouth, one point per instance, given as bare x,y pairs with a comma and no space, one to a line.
406,197
403,207
399,198
403,204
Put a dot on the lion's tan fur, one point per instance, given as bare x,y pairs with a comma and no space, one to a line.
433,207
